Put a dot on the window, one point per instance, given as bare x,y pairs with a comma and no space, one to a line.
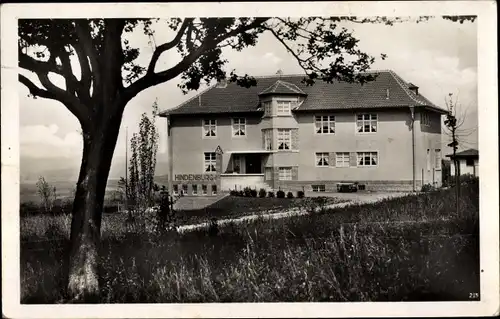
342,159
239,126
210,160
425,119
438,159
268,140
322,159
367,158
184,189
209,128
318,188
469,162
428,159
324,124
268,108
214,189
284,108
176,189
195,189
366,123
284,139
268,173
285,173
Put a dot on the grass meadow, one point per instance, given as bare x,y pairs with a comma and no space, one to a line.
413,248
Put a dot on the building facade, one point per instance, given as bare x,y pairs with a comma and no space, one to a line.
283,134
468,162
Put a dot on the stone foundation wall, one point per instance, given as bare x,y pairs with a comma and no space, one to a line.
331,186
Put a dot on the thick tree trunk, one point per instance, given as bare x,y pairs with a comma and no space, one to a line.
99,145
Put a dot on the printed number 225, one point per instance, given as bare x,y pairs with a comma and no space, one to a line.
473,295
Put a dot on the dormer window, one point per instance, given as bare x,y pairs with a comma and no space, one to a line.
284,107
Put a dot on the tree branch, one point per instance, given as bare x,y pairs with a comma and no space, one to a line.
55,93
152,79
169,45
86,74
85,40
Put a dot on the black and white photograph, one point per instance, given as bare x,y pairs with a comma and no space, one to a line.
250,159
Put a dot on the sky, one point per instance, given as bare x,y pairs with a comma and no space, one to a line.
439,56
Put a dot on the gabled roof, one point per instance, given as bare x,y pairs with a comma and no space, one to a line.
388,90
282,87
467,153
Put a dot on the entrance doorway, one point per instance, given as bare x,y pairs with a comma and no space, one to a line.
253,164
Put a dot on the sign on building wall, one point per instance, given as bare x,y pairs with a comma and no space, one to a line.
196,177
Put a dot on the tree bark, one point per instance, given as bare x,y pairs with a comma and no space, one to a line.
98,148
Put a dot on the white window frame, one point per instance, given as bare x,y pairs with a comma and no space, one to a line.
285,138
212,125
268,108
239,124
175,189
194,188
268,172
318,188
286,107
364,155
367,119
285,173
185,186
268,140
322,159
208,163
340,159
425,119
321,120
214,189
438,159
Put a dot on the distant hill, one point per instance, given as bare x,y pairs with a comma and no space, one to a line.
63,174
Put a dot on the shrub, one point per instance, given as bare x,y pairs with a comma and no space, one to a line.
280,194
247,191
240,193
300,194
289,195
234,193
253,193
428,188
262,193
270,194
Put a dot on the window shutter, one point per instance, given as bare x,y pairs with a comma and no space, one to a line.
295,173
295,139
332,159
353,159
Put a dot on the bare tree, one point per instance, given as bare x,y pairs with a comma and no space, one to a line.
456,133
47,194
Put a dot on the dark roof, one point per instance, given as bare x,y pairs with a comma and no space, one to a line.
387,91
282,87
467,153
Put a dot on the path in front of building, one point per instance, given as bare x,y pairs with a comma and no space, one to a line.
354,199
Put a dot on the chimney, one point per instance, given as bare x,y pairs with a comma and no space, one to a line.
413,88
221,84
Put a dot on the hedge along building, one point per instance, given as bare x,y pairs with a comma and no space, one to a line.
284,134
